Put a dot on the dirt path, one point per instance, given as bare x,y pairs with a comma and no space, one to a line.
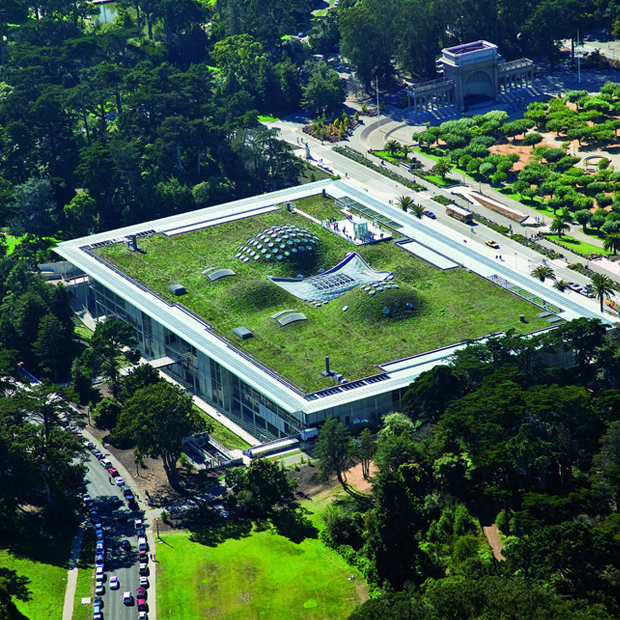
495,542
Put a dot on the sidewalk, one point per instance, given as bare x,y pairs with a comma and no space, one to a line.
76,547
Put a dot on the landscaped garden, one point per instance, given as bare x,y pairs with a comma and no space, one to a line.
541,170
429,309
237,571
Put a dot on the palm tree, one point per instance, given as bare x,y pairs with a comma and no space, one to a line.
612,242
442,167
405,149
559,225
405,202
392,147
561,285
542,272
418,210
602,287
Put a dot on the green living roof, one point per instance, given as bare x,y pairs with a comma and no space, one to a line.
429,309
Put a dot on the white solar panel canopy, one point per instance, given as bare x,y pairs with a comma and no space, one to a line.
337,281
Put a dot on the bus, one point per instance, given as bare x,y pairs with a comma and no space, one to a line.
459,214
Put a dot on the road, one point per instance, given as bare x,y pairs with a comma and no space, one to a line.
123,564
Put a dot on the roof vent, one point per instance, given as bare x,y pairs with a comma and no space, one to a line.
177,289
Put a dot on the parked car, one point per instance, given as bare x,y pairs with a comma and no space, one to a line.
142,546
99,548
98,454
113,472
141,592
143,569
119,481
142,616
142,604
99,559
116,501
99,589
125,545
139,524
99,534
144,581
143,556
430,214
126,490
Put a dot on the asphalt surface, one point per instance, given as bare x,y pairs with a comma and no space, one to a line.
122,564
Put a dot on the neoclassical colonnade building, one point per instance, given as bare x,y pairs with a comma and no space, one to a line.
472,73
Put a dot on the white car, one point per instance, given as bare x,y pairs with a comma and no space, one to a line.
139,525
99,534
114,582
119,481
144,581
142,546
127,598
142,616
99,589
143,568
99,548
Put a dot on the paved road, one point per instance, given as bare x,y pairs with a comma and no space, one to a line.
122,564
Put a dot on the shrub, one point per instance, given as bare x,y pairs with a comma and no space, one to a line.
603,200
531,139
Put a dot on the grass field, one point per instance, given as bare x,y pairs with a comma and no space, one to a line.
579,246
447,306
39,571
235,572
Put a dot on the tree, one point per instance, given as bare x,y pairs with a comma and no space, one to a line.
33,206
443,167
324,91
334,450
542,272
405,202
531,139
52,346
583,217
260,487
612,242
156,419
602,287
105,414
392,147
559,226
366,450
561,285
430,394
418,210
394,451
395,424
81,214
138,378
111,340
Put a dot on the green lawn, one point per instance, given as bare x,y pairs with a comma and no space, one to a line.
223,434
236,572
267,119
38,567
538,203
85,586
455,169
579,246
446,307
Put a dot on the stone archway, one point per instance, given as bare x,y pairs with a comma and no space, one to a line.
478,86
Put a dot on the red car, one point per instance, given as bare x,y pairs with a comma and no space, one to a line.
141,592
113,472
141,604
144,557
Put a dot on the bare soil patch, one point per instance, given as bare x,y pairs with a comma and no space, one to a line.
524,152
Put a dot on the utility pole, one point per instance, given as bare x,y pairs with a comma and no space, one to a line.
377,89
